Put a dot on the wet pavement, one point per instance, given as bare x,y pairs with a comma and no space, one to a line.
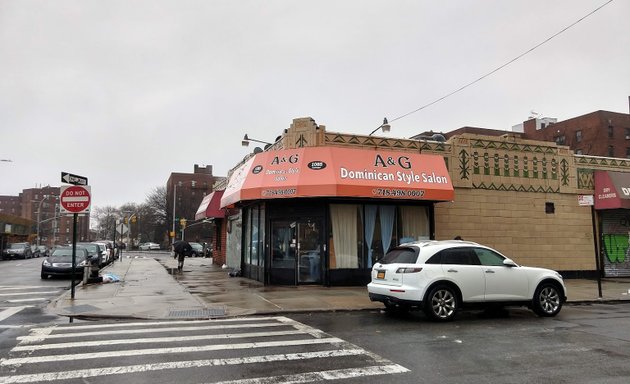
152,288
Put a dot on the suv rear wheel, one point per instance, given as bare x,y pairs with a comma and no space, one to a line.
441,304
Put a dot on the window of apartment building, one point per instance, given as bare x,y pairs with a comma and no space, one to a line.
628,152
610,131
611,151
627,133
578,136
578,152
560,140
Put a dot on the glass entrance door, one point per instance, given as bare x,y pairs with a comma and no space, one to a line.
297,252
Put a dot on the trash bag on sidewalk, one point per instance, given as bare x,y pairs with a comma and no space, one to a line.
110,278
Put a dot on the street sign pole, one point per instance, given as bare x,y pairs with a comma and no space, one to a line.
74,253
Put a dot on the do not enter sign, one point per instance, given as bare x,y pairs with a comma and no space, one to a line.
75,199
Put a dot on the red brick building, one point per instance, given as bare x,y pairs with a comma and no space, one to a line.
184,192
41,206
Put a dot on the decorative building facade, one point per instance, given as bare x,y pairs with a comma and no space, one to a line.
528,199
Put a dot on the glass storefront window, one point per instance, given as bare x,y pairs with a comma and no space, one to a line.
363,233
254,233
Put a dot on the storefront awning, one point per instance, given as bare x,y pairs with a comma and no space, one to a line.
210,207
612,190
340,172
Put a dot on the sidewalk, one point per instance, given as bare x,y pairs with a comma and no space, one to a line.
151,288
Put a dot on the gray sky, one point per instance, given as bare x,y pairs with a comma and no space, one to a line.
126,92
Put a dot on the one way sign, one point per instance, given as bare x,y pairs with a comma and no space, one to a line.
73,179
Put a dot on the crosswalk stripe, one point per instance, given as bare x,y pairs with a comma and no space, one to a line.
29,293
26,300
152,323
309,377
32,347
39,337
10,312
158,351
122,370
9,287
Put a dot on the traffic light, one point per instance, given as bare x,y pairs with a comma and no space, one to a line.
134,219
125,220
182,222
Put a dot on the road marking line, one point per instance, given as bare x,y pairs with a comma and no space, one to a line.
7,287
34,347
39,337
10,312
159,351
309,377
123,370
150,323
29,293
337,374
26,300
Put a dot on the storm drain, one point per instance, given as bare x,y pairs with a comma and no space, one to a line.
202,313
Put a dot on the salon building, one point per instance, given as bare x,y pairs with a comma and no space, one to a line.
321,207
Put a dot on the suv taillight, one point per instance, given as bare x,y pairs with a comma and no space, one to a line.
408,270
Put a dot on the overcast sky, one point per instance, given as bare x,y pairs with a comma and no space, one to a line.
126,92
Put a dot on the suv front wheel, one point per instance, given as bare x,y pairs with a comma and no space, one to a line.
441,304
547,300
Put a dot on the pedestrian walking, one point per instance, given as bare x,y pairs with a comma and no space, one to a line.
181,249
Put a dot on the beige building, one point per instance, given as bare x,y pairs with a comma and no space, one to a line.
525,198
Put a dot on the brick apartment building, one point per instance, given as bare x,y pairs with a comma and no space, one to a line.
599,133
41,207
184,193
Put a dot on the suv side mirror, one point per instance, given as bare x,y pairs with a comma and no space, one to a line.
509,263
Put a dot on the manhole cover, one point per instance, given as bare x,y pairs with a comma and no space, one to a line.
197,313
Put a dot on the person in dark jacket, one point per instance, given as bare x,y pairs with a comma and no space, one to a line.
181,249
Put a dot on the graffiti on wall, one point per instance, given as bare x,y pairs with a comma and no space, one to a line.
616,248
616,243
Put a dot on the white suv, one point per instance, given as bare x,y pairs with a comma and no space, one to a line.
443,276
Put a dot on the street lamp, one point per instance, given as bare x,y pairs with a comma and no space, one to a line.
247,139
385,127
39,209
174,205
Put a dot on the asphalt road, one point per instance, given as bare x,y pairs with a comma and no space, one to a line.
24,295
583,344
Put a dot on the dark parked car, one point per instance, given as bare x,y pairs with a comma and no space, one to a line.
94,252
59,263
43,251
197,249
18,251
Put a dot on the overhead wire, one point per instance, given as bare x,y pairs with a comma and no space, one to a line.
503,65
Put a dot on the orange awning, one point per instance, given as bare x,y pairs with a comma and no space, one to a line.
340,172
210,207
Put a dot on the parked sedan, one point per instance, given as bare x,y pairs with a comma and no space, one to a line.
149,246
18,251
197,249
94,252
441,277
43,250
59,263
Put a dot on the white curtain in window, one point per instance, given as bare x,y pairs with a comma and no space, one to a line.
370,223
388,216
344,226
415,223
